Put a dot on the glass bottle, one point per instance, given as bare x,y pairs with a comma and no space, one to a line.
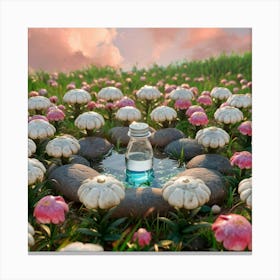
139,156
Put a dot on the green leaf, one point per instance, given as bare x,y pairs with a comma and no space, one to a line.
172,225
117,223
89,232
196,227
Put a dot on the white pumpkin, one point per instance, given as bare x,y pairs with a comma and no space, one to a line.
245,191
63,146
31,232
128,113
186,191
101,192
38,103
89,120
228,115
240,100
82,247
212,137
36,171
31,147
148,93
220,93
163,113
110,93
76,96
181,93
40,129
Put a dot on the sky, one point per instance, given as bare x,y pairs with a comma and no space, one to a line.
68,49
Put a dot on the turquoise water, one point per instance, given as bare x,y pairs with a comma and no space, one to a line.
163,169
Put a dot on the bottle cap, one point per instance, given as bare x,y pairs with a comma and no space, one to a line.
138,129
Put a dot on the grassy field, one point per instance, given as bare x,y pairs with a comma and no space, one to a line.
181,230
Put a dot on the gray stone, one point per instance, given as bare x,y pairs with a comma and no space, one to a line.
142,202
211,161
94,148
67,179
118,135
79,159
164,136
186,147
214,181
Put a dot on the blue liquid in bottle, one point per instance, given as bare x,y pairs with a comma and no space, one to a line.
139,171
139,156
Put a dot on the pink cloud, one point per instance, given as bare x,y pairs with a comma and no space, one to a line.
66,49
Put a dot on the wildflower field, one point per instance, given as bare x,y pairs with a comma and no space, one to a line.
200,119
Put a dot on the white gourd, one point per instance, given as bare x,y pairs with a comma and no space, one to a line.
186,191
101,192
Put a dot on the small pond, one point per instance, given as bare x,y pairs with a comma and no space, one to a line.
164,168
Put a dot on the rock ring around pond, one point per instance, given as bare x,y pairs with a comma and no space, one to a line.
138,202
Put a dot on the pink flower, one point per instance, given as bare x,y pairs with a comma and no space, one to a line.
187,86
92,105
55,114
43,91
110,83
142,237
243,82
52,83
242,159
206,92
169,88
204,100
33,93
38,117
245,128
249,84
239,76
235,90
194,90
182,104
142,78
125,101
194,108
53,99
71,86
118,85
110,106
223,81
61,107
198,118
50,209
86,87
234,231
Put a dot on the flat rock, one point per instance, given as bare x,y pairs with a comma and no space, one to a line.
164,136
79,159
213,179
67,179
142,202
118,135
94,148
211,161
186,147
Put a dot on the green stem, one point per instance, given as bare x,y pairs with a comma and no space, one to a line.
64,160
77,110
89,132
